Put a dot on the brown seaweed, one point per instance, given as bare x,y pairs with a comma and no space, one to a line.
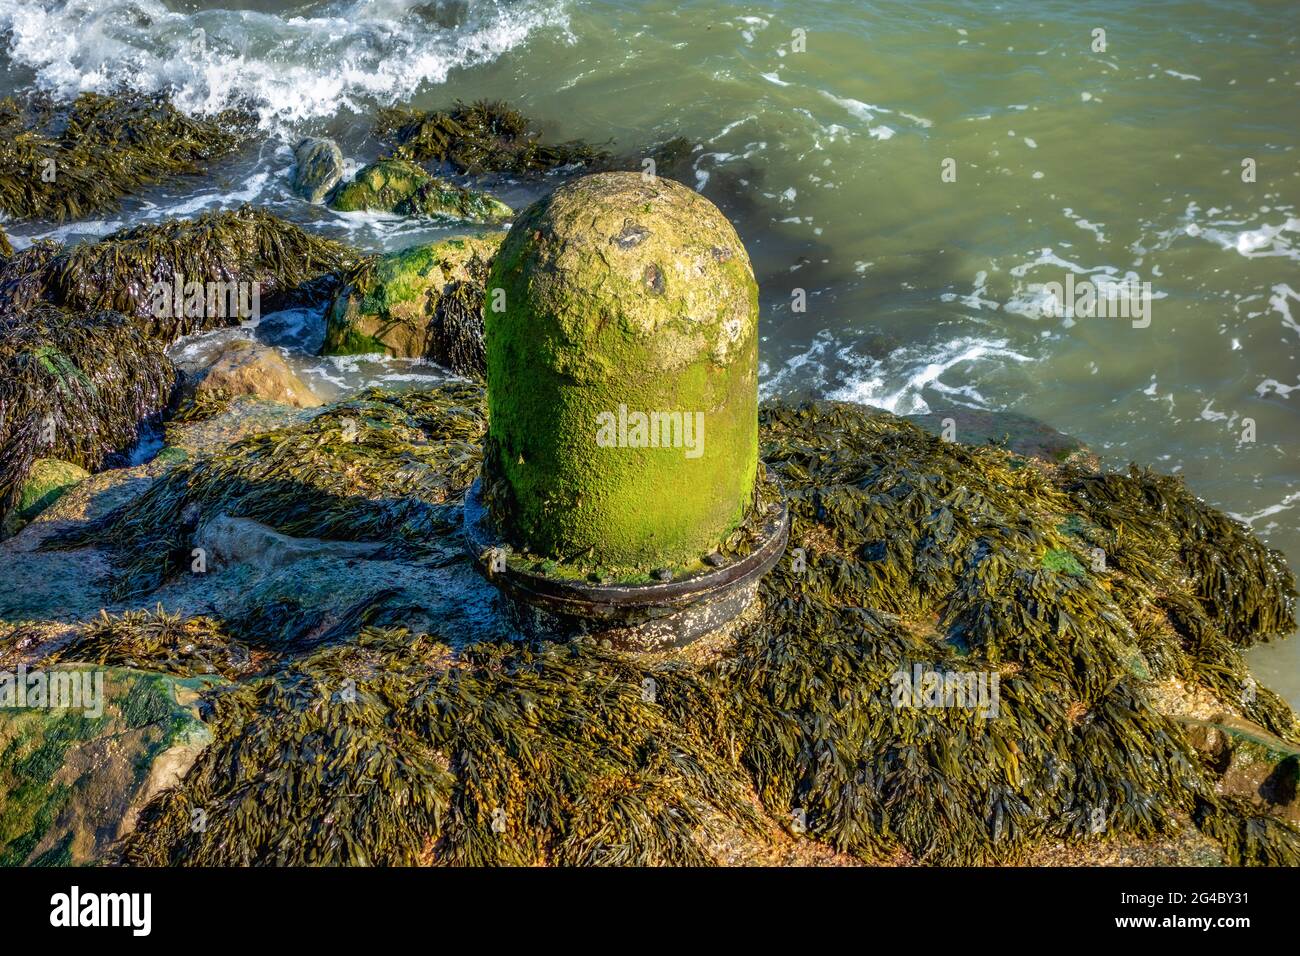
74,386
69,160
487,136
906,551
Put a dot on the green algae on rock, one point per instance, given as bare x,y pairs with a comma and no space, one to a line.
74,386
47,479
6,249
481,137
398,186
621,337
62,161
422,302
72,780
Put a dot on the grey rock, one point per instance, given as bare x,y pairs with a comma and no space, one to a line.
227,541
319,168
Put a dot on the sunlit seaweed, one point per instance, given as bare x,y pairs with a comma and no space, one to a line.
200,406
24,277
160,641
485,136
905,550
123,270
388,751
74,386
1249,837
376,468
68,160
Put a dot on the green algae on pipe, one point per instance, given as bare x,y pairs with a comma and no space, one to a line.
622,348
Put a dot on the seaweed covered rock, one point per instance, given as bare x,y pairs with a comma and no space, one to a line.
318,168
398,186
622,376
74,778
490,136
1019,433
464,764
6,249
423,302
47,479
949,548
65,160
250,368
926,680
74,386
485,136
25,275
375,468
181,276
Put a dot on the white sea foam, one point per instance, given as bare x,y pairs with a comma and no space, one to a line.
898,381
1280,302
287,67
867,113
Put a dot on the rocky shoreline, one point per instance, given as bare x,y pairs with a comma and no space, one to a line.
302,666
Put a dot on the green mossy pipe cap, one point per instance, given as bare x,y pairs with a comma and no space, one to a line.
622,349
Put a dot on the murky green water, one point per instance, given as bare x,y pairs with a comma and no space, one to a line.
824,129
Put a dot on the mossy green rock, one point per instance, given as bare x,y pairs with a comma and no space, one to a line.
423,302
397,186
619,296
48,479
72,781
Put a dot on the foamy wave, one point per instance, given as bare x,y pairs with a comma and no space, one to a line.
289,68
899,381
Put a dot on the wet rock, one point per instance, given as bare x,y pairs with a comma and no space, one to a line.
73,779
318,169
46,481
228,541
240,417
249,368
1252,763
424,302
1018,433
397,186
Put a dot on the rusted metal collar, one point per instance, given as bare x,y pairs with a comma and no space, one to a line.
630,616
